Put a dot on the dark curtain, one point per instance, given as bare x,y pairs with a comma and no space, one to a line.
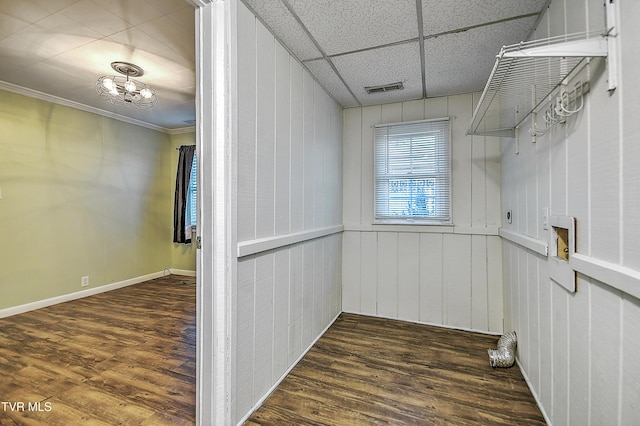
185,160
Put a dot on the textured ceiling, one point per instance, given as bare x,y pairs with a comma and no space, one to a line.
433,47
60,47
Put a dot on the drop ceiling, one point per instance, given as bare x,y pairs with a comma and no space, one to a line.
58,48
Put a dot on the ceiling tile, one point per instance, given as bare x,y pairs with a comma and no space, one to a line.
383,66
92,15
277,17
462,62
328,79
344,26
440,16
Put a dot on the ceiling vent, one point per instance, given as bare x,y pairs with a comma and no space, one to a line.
384,88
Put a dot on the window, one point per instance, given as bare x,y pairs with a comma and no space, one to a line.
413,172
191,216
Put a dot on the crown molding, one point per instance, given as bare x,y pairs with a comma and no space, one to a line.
9,87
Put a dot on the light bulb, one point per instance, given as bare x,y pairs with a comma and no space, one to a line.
130,86
146,93
108,84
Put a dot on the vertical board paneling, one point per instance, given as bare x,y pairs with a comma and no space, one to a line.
245,332
479,287
546,342
370,117
630,367
436,107
413,110
522,298
368,272
630,149
264,327
318,277
478,182
604,172
583,370
493,171
457,280
351,272
281,308
295,303
561,351
387,266
533,294
460,113
494,284
246,200
579,354
297,149
605,354
265,144
282,143
409,276
308,294
319,147
352,188
391,113
289,180
309,150
431,291
385,277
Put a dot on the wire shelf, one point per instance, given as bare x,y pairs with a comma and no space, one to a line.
525,75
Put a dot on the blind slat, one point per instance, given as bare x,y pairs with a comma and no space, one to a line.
413,171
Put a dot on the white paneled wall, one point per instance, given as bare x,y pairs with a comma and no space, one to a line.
580,350
289,213
446,275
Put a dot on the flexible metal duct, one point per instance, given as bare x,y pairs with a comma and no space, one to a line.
505,354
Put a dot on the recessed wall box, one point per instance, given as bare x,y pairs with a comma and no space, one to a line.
562,246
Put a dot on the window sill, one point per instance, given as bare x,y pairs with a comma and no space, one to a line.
431,228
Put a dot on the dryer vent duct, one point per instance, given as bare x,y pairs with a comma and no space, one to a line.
505,354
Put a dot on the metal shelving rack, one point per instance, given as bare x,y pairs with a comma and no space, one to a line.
526,75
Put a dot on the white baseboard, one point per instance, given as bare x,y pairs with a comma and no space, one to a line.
533,392
14,310
185,272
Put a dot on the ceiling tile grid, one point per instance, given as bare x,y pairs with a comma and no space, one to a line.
442,16
280,21
470,56
341,26
391,64
60,47
330,81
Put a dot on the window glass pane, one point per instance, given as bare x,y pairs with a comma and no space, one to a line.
191,216
412,171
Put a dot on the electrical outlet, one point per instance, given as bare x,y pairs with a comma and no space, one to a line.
85,281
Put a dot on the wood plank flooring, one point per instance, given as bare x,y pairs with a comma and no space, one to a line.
368,371
125,357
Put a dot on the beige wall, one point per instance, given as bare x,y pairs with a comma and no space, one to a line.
81,195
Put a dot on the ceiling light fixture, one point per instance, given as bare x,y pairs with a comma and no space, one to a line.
125,90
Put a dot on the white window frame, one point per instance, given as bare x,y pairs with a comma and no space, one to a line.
442,177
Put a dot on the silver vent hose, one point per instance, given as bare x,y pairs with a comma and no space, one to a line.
505,354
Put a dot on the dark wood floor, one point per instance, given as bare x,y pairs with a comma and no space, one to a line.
367,371
126,357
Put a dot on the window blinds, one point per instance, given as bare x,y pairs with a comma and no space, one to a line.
413,172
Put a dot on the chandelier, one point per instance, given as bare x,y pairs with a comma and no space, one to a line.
125,90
